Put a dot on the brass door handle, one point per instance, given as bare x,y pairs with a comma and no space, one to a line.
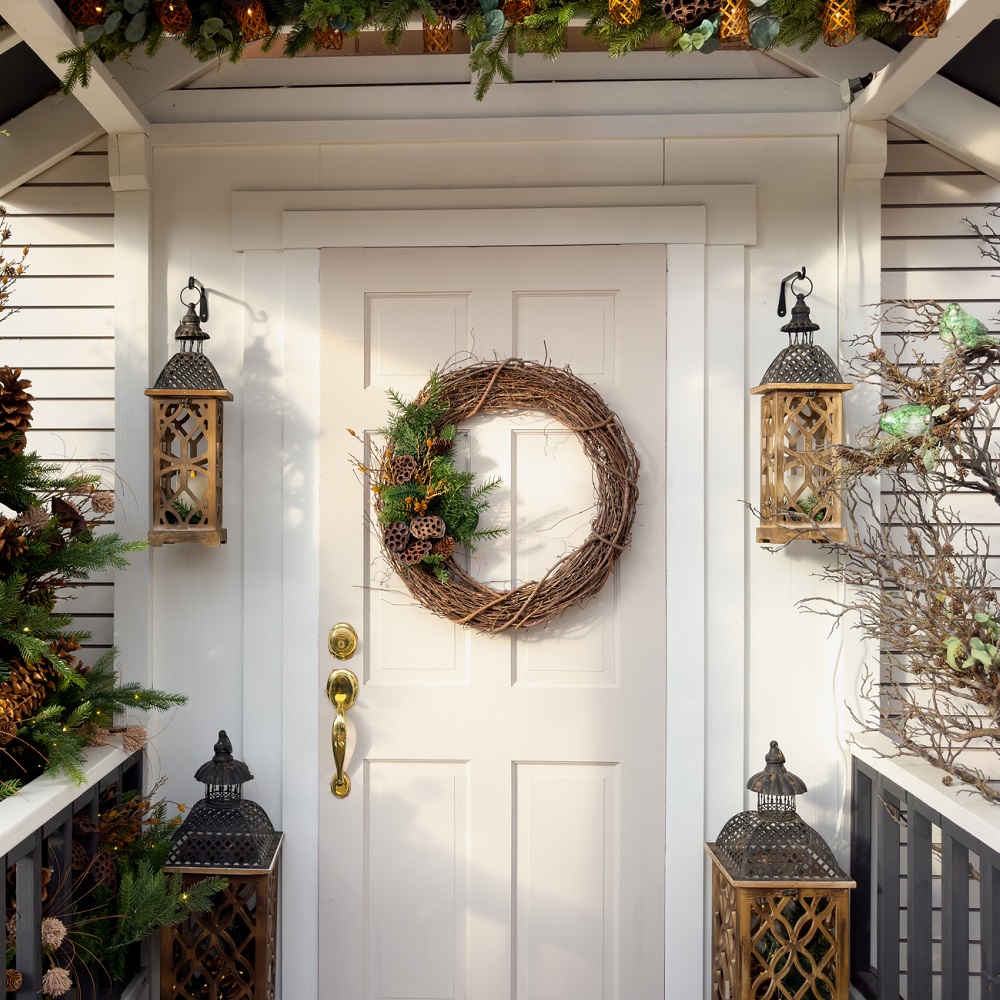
341,689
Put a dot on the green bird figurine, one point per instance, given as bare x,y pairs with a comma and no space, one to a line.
910,420
959,329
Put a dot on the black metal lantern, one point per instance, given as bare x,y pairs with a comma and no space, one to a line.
802,424
231,951
780,901
187,437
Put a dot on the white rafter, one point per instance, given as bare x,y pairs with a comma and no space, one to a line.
45,28
8,40
921,60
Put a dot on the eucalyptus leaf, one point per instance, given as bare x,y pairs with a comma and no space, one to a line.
983,657
976,643
134,6
112,22
940,411
952,647
494,21
226,34
93,33
136,28
930,459
487,5
209,44
981,617
211,25
764,31
968,663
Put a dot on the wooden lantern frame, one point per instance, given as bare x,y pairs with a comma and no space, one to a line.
759,949
231,951
801,426
187,448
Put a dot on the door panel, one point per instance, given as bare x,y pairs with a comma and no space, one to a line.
504,834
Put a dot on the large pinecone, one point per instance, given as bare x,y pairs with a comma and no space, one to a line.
689,14
15,409
24,691
12,540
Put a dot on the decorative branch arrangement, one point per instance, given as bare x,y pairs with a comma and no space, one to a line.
213,29
919,579
424,508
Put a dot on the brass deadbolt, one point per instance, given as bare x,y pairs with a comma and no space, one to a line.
342,641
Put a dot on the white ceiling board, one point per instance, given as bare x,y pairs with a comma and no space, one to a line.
45,28
921,60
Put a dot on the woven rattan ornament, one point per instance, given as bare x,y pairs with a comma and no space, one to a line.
404,468
902,10
734,21
252,19
396,536
516,11
174,15
438,35
327,37
427,527
84,13
688,14
415,551
15,409
444,547
927,23
839,25
624,12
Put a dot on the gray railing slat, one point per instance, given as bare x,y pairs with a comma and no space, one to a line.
989,917
954,914
887,882
918,902
28,893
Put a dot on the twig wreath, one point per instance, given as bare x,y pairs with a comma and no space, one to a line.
425,506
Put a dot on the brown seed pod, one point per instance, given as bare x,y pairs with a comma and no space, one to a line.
404,468
427,527
417,549
396,536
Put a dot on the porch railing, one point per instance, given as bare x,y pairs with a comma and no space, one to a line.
925,917
36,844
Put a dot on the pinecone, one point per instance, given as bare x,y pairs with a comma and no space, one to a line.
64,647
427,527
34,519
13,980
8,730
415,552
15,409
689,14
902,10
439,446
444,547
396,536
12,541
25,689
404,468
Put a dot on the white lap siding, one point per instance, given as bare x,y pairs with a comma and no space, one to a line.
63,335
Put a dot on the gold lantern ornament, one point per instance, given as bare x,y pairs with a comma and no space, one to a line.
838,22
780,901
187,437
801,429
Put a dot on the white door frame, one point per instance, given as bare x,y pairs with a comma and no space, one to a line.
706,231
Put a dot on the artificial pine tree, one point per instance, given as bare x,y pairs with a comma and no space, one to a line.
51,704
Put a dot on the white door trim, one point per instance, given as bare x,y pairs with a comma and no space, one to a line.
284,367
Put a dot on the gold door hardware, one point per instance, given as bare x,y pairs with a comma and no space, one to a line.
341,689
342,641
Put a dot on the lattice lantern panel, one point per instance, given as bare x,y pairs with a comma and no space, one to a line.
801,429
776,940
230,952
187,466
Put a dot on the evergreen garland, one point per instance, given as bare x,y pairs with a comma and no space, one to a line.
215,31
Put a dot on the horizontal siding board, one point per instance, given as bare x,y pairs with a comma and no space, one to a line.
70,352
41,199
922,158
43,321
66,230
92,599
80,168
975,286
67,383
101,627
74,414
40,290
921,220
926,252
896,134
945,189
72,445
52,261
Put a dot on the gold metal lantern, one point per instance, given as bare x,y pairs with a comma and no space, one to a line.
187,438
780,901
801,428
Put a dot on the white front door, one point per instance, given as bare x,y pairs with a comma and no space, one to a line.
504,834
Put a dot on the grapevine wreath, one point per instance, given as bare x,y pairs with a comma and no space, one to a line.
425,506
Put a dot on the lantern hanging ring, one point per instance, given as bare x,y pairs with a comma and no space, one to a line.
201,301
792,278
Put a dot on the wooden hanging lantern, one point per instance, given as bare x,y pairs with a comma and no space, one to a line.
838,21
230,952
187,438
801,428
780,901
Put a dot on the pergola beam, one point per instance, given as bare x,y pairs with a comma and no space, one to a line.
921,59
45,28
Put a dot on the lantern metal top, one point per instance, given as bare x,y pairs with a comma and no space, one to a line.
801,361
189,369
772,842
224,830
